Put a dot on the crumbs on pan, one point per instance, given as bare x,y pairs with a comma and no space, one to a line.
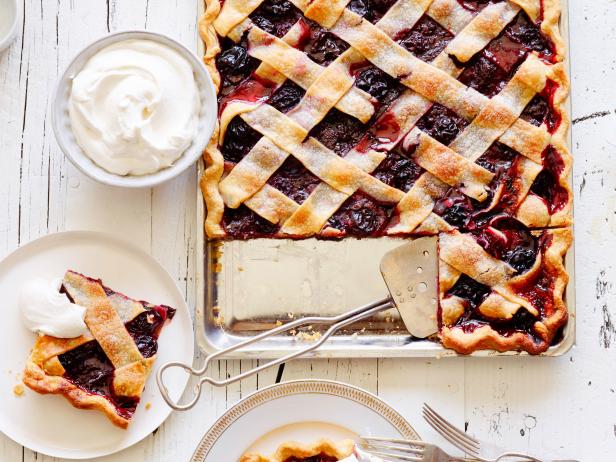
308,336
219,319
278,323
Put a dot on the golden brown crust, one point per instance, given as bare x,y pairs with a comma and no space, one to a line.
40,381
292,449
490,120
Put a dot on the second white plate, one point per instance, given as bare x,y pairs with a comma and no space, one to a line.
303,411
49,424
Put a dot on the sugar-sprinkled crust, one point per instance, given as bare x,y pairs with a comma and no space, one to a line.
449,173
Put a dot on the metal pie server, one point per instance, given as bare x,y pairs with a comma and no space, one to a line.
410,273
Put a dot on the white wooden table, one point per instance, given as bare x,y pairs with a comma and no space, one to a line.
525,403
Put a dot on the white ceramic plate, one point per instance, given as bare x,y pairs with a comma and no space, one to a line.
304,411
48,423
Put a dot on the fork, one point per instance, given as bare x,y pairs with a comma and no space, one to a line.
394,449
470,445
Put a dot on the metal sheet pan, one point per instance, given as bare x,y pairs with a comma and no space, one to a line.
245,287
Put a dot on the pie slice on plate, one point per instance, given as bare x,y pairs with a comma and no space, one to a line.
321,451
403,118
107,368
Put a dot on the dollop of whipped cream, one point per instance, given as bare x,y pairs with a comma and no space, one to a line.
45,310
134,107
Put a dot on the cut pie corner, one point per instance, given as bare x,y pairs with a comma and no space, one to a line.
321,451
105,369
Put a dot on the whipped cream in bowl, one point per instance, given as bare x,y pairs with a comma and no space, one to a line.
134,109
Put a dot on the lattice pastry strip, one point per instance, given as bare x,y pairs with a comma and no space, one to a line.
386,16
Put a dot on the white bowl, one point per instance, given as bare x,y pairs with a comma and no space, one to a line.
8,33
62,123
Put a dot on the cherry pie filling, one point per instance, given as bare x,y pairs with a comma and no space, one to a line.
319,458
513,243
361,216
89,368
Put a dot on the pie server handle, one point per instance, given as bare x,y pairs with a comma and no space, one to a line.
337,322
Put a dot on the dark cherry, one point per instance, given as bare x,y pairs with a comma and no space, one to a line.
243,223
294,180
522,321
541,110
372,10
441,123
455,208
276,16
323,47
469,289
498,158
477,5
360,216
319,458
539,291
484,75
235,64
88,367
338,131
240,138
547,183
509,240
398,171
523,31
426,40
536,111
379,84
287,96
146,327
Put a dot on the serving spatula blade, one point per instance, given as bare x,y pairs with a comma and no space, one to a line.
411,275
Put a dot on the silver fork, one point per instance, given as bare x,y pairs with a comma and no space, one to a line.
470,445
396,449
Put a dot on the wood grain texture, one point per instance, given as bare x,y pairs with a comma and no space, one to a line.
564,405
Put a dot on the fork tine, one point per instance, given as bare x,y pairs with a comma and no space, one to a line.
418,443
408,450
444,421
396,456
451,437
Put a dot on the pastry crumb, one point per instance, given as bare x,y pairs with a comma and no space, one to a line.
19,390
278,323
219,321
148,406
290,315
308,336
240,268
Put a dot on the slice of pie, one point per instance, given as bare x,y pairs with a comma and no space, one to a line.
321,451
401,118
107,368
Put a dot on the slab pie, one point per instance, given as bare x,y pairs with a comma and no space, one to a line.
369,118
